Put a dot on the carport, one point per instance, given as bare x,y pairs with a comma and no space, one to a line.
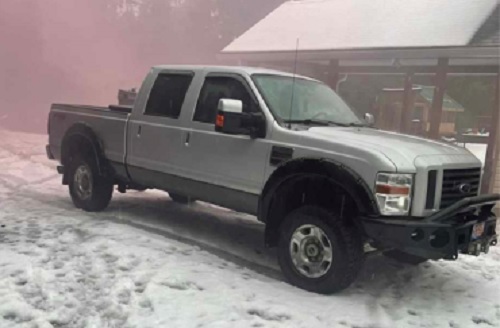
330,40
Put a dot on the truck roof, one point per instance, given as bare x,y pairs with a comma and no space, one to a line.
228,69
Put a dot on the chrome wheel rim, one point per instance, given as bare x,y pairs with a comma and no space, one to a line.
311,251
83,182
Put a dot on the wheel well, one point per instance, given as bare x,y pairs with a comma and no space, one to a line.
313,182
80,140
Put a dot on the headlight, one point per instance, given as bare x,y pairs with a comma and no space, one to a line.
393,193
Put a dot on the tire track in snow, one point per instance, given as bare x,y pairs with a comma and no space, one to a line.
14,185
23,154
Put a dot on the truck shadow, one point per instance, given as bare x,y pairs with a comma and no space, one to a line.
234,236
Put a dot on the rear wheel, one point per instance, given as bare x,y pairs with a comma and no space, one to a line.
89,190
318,251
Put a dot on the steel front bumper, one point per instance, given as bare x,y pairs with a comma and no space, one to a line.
443,235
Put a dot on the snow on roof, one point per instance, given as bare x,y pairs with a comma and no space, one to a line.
489,33
356,24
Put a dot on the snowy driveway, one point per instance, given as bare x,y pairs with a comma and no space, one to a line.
147,262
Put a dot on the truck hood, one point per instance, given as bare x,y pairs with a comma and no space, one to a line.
401,149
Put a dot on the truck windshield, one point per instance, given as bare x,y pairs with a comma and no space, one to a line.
312,101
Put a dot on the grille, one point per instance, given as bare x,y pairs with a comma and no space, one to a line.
459,184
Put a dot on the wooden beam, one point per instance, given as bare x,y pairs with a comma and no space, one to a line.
493,142
437,101
486,70
406,111
333,74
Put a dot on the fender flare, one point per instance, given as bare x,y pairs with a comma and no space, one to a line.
82,130
346,178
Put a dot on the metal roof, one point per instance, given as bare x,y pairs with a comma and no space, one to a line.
489,33
366,24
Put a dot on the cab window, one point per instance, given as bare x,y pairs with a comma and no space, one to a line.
221,87
168,94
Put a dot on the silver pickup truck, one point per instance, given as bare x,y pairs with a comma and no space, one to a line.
287,149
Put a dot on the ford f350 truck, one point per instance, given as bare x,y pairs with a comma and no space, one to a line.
288,150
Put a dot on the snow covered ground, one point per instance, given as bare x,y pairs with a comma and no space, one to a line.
147,262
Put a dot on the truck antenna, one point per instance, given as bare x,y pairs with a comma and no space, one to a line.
293,82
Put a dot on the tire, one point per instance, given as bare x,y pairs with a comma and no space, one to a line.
406,258
346,249
83,173
180,199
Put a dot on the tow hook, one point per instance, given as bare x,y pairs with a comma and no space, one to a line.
475,249
486,248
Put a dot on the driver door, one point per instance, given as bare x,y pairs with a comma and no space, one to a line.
233,162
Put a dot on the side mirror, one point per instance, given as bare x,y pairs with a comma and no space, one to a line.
231,120
369,119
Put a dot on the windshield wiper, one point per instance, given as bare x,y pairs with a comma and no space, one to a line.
324,123
357,125
308,122
352,124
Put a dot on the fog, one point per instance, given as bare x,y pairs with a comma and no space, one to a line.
82,52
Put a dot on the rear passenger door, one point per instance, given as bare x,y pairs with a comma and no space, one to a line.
155,137
235,162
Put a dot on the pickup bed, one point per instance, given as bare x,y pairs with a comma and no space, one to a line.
286,149
108,123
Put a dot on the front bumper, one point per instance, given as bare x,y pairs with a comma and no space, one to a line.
444,234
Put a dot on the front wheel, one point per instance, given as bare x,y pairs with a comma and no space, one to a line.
89,191
318,251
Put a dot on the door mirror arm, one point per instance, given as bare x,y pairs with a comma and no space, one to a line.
256,125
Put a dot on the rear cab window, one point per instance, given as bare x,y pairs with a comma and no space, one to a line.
168,94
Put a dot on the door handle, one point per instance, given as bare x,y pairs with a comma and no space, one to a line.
139,131
187,139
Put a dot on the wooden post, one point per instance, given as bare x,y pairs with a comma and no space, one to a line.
333,74
493,142
437,101
407,104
